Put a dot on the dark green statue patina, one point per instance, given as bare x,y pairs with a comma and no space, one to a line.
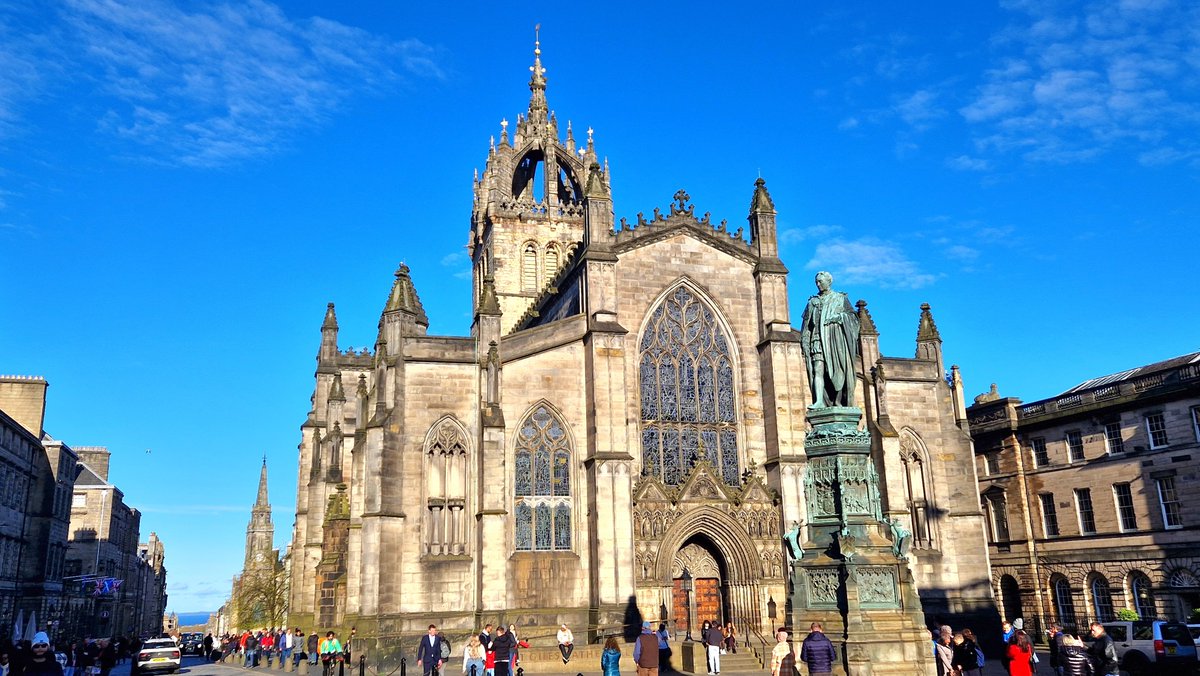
829,337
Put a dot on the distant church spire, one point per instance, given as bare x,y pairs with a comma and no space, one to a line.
262,502
537,83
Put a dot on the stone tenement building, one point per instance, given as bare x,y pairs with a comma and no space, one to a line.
37,475
1087,496
630,402
103,545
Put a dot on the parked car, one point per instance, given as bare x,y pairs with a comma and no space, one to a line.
1153,647
158,654
1195,630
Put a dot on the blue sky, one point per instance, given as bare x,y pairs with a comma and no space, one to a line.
184,186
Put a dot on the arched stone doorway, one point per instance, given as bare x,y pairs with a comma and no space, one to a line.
705,600
731,534
1010,596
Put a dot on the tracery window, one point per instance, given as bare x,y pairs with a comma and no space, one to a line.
542,484
446,489
687,391
912,456
529,271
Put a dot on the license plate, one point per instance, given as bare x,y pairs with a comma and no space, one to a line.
160,659
1170,650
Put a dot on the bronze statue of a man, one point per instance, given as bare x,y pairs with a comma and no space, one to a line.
829,338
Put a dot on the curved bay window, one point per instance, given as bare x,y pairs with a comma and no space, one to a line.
687,391
543,483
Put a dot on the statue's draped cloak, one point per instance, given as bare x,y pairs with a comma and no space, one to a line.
839,345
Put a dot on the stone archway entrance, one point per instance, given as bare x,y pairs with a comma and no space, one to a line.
728,537
706,600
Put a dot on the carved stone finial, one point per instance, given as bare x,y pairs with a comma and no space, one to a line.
927,330
762,199
489,304
866,324
330,318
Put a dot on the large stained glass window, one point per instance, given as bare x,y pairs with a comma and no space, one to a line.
542,484
686,380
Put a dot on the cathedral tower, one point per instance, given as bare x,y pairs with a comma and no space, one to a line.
528,216
260,532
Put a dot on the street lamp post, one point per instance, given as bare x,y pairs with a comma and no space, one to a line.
685,581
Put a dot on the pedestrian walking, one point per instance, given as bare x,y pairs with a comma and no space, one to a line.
783,655
474,658
715,638
645,652
1055,639
943,653
1020,655
966,656
566,641
429,652
664,647
41,661
1074,660
503,646
313,648
817,651
610,659
1103,652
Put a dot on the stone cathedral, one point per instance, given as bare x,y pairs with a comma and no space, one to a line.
629,406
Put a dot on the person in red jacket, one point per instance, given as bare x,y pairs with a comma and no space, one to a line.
1020,655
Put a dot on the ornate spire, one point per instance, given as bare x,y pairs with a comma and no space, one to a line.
865,323
335,391
537,82
262,502
330,318
927,330
762,199
489,304
404,296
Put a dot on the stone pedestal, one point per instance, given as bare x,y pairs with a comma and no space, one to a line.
853,576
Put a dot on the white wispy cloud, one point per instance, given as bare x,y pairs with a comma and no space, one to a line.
919,109
459,262
213,84
795,235
1075,81
967,163
869,261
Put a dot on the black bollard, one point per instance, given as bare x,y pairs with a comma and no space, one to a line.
520,671
403,666
362,665
473,668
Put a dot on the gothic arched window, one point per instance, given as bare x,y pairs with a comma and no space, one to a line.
529,268
687,391
445,488
913,457
542,483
